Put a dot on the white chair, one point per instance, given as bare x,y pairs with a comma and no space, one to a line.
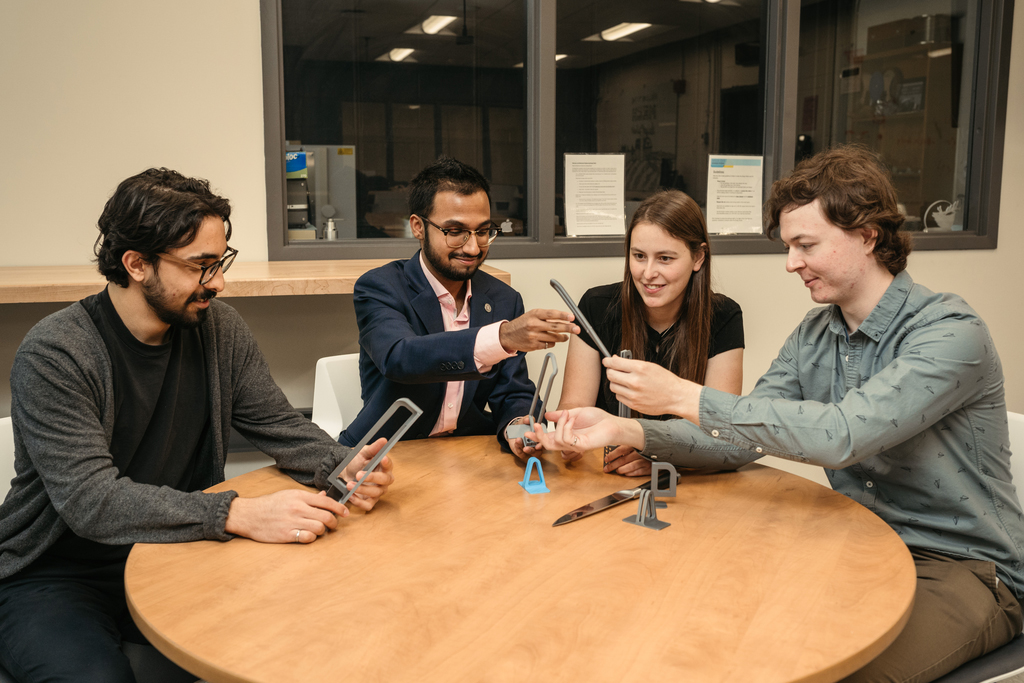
336,394
6,457
1007,662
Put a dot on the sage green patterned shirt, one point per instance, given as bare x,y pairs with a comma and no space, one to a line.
907,415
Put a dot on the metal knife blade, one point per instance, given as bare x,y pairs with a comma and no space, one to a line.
602,504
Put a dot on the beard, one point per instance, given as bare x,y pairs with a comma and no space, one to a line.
442,262
160,301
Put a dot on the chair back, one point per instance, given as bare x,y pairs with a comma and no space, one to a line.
1015,421
336,394
6,456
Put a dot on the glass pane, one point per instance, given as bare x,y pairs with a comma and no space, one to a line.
376,90
687,83
896,77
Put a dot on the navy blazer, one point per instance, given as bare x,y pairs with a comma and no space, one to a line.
404,351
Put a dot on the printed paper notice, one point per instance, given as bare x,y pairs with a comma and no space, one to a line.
734,194
595,194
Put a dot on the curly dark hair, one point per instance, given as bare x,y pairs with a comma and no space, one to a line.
444,175
854,190
156,210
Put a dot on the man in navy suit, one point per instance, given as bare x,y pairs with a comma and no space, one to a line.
436,330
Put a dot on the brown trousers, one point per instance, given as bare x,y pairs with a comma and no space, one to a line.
961,611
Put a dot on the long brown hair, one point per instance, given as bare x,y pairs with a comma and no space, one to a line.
677,214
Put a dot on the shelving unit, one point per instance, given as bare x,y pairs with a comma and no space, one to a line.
906,112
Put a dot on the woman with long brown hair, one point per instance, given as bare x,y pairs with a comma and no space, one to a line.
664,312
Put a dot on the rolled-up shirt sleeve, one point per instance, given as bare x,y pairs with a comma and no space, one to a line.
488,350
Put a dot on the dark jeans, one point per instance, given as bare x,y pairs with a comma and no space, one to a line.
961,611
64,621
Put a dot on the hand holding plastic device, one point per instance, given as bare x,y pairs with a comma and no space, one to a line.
338,489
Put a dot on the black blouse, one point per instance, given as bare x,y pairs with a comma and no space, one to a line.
602,306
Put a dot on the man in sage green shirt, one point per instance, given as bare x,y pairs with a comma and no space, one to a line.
895,390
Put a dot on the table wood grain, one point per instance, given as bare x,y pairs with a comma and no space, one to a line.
35,284
458,575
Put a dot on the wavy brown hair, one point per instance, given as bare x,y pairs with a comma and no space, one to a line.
854,190
678,215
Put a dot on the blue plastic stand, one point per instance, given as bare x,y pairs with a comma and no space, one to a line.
538,485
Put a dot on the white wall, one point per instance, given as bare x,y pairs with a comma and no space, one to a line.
94,92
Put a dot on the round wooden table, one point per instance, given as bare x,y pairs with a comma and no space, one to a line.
458,575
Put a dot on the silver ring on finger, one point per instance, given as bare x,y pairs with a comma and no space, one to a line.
297,532
575,440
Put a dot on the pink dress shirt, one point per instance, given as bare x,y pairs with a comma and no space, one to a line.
486,352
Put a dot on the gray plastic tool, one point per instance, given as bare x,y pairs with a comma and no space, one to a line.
519,431
580,319
338,489
647,509
623,408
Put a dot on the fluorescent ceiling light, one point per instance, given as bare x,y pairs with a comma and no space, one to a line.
558,58
396,55
434,23
621,31
941,52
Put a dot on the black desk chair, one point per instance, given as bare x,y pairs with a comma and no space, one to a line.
1003,664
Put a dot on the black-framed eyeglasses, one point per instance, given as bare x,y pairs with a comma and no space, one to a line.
206,273
456,237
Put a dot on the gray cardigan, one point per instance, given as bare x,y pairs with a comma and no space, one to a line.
62,405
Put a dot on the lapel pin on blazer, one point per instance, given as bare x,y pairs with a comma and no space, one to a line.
487,307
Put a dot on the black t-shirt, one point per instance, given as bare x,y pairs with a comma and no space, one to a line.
602,306
161,414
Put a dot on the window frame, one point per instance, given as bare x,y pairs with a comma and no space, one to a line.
780,45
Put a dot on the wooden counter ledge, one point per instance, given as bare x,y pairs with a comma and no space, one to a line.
37,284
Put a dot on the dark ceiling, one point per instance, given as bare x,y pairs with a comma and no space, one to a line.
363,30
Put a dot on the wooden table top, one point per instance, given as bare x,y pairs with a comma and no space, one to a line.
458,575
35,284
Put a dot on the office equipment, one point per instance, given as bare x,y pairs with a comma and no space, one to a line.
519,431
339,488
581,320
647,510
534,485
623,408
326,190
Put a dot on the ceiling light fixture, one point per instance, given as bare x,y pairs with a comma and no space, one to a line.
396,55
621,31
435,23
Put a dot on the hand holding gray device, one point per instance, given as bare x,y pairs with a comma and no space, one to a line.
338,489
519,431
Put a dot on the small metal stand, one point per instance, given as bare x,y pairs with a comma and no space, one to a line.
537,485
623,408
519,431
647,514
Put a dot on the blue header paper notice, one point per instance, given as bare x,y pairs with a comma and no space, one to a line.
734,194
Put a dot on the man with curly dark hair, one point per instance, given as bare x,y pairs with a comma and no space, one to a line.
895,390
122,405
